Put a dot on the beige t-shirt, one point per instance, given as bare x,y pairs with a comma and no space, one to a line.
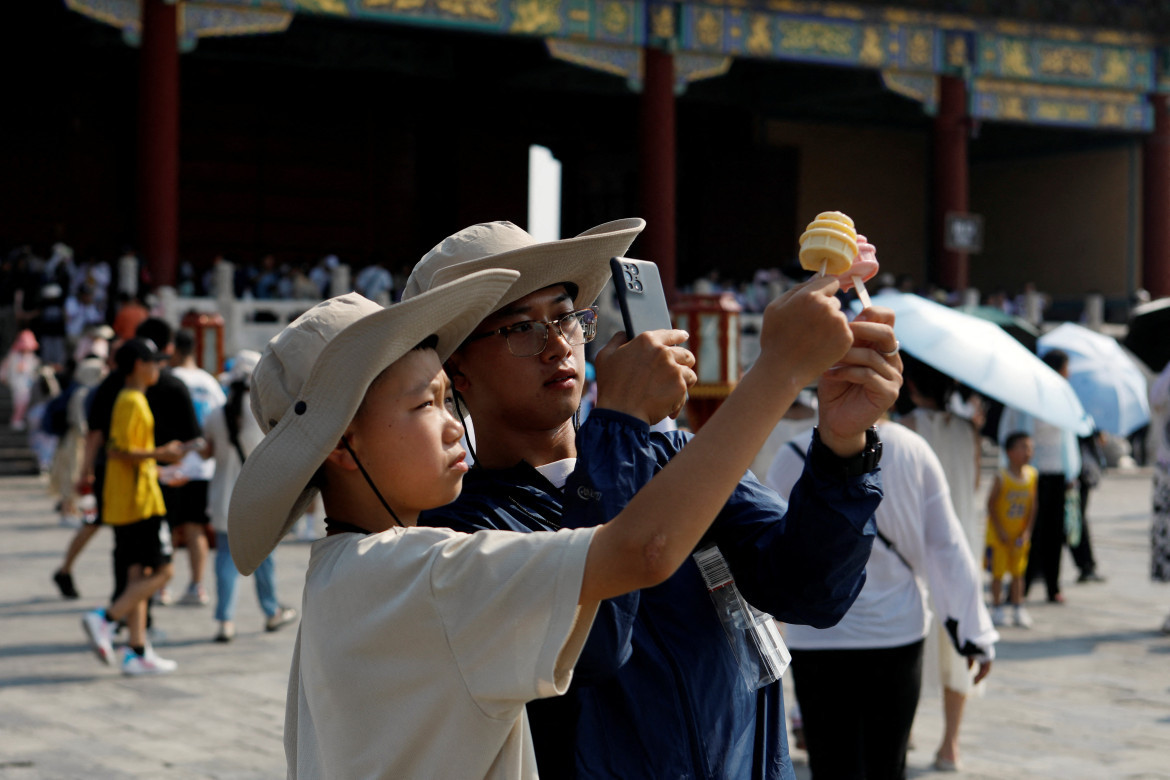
419,647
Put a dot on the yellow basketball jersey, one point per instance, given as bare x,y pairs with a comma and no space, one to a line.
1016,497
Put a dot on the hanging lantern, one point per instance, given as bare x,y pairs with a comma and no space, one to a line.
713,324
209,339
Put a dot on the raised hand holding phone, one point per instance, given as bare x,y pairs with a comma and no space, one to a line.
645,372
640,295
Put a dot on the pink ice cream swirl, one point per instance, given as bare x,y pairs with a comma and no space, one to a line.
865,265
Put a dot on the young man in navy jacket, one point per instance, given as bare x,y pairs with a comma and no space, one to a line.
659,691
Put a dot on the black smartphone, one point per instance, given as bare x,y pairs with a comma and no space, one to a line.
640,295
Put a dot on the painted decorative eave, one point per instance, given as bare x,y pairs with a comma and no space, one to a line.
1015,71
195,19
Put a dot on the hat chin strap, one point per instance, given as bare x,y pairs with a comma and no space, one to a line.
370,482
463,421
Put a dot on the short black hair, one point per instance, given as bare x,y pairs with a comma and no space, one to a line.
132,351
157,330
1014,438
184,342
1056,359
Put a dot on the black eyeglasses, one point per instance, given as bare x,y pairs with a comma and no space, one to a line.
529,338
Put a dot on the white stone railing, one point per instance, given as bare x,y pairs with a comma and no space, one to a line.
248,323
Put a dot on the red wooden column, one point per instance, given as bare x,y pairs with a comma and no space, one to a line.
1156,203
951,126
158,141
656,174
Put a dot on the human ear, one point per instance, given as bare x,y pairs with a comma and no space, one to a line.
340,456
458,379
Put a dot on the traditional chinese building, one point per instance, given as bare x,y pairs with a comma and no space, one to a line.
372,128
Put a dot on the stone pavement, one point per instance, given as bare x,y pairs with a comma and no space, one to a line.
1085,694
63,714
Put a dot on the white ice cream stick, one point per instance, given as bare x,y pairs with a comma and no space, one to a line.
824,267
862,293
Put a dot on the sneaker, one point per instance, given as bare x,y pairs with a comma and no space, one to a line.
1021,618
283,617
64,582
100,633
997,617
165,664
1089,576
196,596
227,631
134,665
163,598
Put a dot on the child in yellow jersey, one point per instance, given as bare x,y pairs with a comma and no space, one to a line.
1011,513
133,505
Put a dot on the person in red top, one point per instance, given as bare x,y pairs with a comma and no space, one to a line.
131,314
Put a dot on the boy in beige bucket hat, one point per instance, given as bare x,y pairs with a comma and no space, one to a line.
660,690
418,647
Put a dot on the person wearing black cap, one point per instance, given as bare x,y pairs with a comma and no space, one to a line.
133,504
175,418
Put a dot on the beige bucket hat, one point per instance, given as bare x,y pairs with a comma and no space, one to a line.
582,261
310,381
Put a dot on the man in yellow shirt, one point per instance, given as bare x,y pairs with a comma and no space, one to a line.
133,504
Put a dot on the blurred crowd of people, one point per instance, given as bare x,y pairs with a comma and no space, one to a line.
61,302
61,299
273,280
56,309
69,404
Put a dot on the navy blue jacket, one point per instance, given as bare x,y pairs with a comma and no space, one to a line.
657,692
